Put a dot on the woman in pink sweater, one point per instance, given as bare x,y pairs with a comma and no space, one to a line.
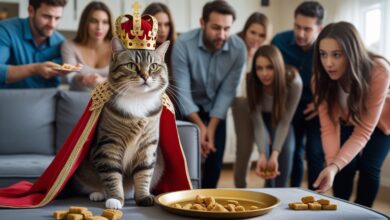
351,87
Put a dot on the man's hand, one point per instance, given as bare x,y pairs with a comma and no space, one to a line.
48,70
310,111
325,180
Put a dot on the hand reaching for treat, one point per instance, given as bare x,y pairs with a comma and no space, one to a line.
267,169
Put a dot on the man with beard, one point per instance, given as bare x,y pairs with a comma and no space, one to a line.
207,64
297,49
30,47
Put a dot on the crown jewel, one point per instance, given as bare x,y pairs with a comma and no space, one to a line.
137,32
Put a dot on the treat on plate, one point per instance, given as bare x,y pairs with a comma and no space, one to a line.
203,203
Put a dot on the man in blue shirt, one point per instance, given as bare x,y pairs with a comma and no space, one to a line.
297,50
207,64
30,47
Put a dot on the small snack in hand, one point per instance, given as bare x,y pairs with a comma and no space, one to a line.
69,67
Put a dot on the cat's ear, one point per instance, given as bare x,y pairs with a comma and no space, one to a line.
162,49
117,45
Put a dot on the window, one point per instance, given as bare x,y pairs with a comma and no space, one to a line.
374,32
373,28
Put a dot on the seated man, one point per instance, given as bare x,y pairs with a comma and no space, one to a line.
30,47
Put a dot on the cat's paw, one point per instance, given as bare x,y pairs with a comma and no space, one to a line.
96,196
145,201
113,204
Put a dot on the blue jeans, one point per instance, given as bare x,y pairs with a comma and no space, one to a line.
368,163
213,163
285,158
313,146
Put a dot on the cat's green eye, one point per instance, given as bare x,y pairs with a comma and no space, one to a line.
153,67
132,67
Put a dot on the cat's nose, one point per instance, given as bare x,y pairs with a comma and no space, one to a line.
145,76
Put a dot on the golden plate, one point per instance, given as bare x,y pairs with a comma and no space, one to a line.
266,202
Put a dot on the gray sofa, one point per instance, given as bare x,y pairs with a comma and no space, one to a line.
34,123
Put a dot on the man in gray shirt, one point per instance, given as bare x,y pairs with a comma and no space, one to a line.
207,64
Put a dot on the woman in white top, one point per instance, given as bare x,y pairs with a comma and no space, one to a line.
91,47
255,33
274,90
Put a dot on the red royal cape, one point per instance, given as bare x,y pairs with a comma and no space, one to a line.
33,195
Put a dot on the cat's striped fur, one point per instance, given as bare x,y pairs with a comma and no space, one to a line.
125,149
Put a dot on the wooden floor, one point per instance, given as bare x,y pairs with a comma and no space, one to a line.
382,204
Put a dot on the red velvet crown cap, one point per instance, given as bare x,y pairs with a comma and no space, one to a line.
137,32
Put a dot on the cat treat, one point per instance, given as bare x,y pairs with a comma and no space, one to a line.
112,214
82,213
203,203
307,199
97,218
309,203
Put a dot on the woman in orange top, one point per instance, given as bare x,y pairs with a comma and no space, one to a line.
351,90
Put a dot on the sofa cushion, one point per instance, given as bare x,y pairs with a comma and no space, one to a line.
23,165
27,121
70,107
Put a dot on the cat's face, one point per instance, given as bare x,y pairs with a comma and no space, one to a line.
138,71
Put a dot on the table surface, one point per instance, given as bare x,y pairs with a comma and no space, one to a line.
346,210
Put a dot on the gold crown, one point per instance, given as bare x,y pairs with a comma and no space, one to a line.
137,32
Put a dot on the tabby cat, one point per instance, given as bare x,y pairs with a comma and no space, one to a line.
124,155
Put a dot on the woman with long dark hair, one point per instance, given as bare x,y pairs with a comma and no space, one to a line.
255,33
351,87
91,47
274,90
